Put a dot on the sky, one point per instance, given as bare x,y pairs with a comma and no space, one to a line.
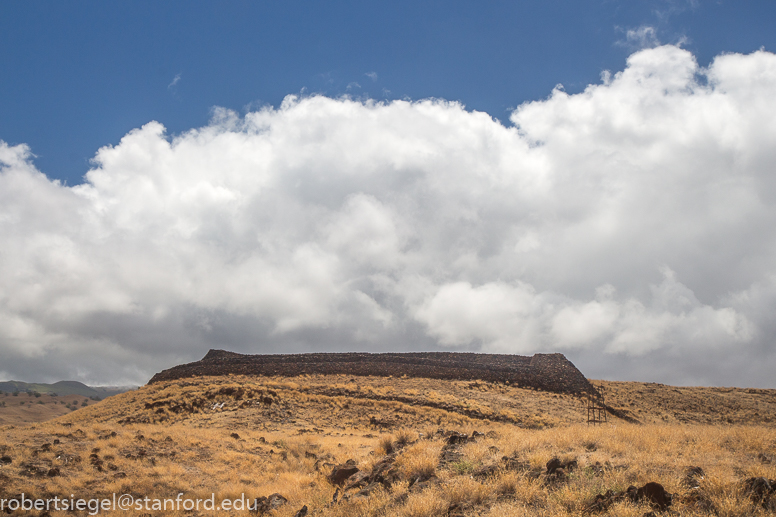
594,178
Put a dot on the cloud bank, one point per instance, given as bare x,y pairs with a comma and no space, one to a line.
631,226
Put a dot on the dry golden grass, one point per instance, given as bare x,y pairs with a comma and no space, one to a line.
658,403
179,437
24,409
420,459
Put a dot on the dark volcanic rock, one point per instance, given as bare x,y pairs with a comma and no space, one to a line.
692,477
455,437
485,472
655,494
551,372
264,504
652,493
761,491
341,473
358,480
553,465
558,470
514,463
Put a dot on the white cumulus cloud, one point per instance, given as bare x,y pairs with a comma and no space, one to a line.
630,226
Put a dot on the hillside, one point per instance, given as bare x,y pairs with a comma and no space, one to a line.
26,409
24,403
658,403
308,401
415,447
63,388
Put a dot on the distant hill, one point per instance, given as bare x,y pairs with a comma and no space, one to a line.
64,388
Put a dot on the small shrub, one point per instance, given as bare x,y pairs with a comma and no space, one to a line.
419,460
385,445
404,437
428,503
462,467
465,491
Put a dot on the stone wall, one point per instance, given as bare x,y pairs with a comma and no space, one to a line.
549,372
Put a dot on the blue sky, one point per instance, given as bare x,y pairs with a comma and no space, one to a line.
591,178
79,75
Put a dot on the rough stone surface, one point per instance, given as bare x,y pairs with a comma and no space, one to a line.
655,494
266,504
652,493
550,372
341,473
692,477
761,491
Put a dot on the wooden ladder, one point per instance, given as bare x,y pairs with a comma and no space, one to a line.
596,407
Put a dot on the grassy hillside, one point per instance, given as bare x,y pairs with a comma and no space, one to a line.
25,408
422,448
62,388
658,403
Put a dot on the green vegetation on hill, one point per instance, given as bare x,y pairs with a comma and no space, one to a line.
63,388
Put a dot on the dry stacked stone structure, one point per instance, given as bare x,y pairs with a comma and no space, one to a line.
549,372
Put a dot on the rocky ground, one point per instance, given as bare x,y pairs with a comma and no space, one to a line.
372,446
